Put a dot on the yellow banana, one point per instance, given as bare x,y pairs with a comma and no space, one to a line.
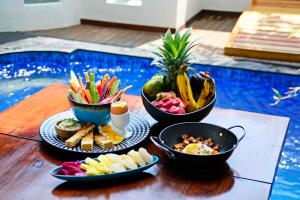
192,103
181,85
204,94
186,93
207,92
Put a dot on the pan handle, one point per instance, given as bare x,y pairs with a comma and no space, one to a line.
158,143
239,126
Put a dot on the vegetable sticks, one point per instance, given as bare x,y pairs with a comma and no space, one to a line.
92,92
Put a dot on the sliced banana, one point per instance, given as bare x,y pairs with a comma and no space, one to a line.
145,155
137,158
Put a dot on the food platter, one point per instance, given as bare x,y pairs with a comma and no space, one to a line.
138,128
105,176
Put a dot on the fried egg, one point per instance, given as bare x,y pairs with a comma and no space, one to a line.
197,149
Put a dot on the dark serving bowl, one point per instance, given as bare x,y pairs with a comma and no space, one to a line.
98,114
170,118
225,138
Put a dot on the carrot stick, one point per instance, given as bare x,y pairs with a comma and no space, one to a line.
110,83
120,93
86,92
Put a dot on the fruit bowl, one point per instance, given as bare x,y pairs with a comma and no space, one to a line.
170,118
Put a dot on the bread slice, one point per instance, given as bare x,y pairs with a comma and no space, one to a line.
103,142
75,139
87,142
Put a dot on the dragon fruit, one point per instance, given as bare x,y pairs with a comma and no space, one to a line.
168,102
70,168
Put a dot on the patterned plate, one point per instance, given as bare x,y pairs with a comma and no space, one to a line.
138,127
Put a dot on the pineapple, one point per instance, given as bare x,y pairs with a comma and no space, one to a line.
174,56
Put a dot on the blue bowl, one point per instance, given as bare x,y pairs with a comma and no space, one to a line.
91,113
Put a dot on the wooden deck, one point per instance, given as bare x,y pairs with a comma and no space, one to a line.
213,29
265,31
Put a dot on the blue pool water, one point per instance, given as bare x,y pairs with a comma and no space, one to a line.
22,74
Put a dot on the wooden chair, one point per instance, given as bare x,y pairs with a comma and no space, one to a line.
269,29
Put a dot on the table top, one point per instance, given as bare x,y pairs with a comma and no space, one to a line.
25,164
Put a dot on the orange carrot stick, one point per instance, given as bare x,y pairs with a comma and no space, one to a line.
109,84
120,93
86,92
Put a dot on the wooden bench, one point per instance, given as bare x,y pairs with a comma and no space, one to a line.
267,30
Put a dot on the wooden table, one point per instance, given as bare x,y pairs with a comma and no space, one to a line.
25,164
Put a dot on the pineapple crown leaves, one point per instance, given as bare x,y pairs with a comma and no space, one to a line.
174,52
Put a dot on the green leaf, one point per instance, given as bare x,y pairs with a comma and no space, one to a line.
277,94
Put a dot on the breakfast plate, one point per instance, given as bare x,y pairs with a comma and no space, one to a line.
105,176
138,127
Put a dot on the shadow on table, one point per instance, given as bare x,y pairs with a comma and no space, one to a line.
107,187
199,181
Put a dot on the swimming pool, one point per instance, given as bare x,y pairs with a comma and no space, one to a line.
22,74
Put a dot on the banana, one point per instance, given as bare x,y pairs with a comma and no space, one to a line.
207,92
186,93
192,103
212,90
182,87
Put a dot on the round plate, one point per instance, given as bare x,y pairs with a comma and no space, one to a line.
138,127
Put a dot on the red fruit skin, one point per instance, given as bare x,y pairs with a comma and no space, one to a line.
62,171
73,171
70,164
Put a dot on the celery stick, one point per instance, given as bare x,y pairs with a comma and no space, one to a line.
93,89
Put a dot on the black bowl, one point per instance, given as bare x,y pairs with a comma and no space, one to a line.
223,137
169,118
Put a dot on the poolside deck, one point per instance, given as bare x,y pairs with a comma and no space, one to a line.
212,28
267,30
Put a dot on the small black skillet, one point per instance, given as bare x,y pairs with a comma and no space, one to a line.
225,138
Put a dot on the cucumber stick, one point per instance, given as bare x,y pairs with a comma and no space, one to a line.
93,89
114,88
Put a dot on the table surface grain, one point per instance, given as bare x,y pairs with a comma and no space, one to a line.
25,164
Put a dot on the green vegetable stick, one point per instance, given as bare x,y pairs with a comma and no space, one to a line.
93,89
75,96
114,88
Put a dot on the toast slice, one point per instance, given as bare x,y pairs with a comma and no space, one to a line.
87,142
75,139
103,142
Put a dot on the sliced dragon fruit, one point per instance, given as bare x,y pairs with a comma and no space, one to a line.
168,102
158,103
